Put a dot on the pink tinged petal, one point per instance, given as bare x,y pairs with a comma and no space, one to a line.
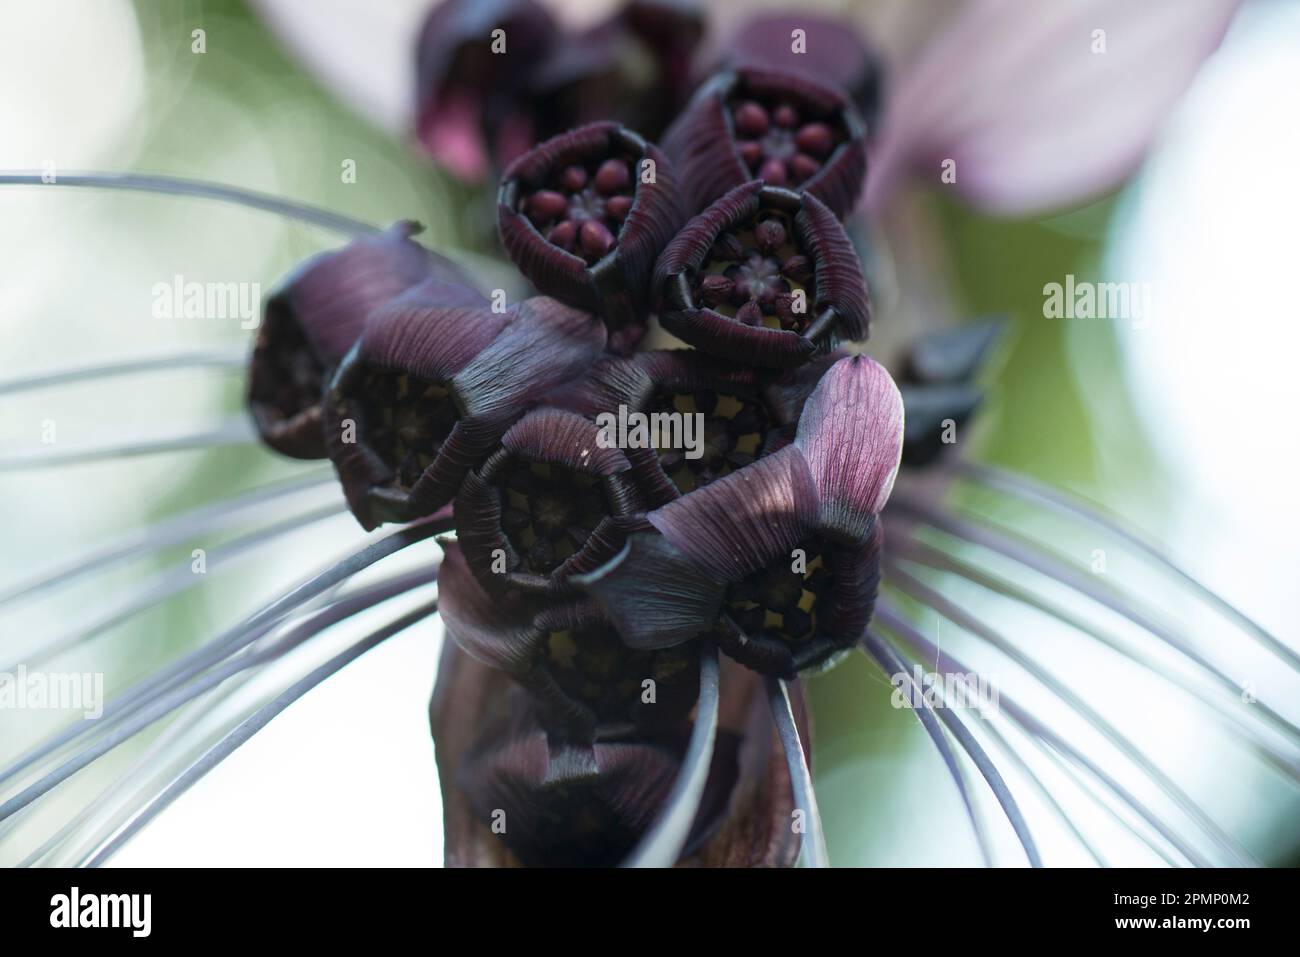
452,135
1035,120
740,523
851,435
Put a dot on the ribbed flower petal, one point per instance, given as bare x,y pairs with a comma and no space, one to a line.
314,318
740,523
851,436
655,594
433,385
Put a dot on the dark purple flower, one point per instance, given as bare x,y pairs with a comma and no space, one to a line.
432,385
765,124
514,794
832,54
780,559
635,67
551,501
479,109
584,682
471,101
746,413
764,276
313,319
585,214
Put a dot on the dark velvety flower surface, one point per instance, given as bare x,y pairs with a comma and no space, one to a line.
745,413
548,503
764,276
780,559
585,214
780,127
433,384
510,797
585,684
313,319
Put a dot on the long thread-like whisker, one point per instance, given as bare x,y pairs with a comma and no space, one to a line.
254,723
925,714
921,553
1061,501
1043,790
975,626
182,695
896,623
234,431
247,631
176,186
663,843
1009,546
988,770
165,534
86,372
169,584
805,798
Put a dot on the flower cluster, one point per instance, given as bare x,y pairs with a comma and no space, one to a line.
589,566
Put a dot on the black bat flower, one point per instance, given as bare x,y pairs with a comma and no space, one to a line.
780,127
764,276
472,105
552,500
585,214
584,682
779,560
514,793
313,319
484,98
433,383
743,413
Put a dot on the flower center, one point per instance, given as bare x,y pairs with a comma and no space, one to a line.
407,419
783,600
759,275
548,512
583,205
593,666
735,427
783,143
